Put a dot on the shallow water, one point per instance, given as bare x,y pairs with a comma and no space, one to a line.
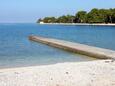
17,50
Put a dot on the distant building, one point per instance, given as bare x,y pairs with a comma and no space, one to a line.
41,22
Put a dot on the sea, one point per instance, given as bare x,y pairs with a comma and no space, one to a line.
16,50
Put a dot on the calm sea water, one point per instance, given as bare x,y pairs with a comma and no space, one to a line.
17,50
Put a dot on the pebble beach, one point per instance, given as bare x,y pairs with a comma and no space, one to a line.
91,73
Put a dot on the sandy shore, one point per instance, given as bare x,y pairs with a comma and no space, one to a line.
92,73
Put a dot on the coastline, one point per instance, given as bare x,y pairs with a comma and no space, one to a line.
91,73
80,24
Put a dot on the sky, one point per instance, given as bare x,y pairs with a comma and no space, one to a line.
28,11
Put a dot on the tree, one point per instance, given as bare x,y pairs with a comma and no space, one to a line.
49,20
82,16
111,15
94,16
103,15
66,19
70,18
62,19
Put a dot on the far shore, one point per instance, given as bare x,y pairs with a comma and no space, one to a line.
93,24
91,73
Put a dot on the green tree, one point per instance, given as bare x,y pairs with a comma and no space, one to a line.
103,15
62,19
49,20
70,18
111,15
94,17
82,16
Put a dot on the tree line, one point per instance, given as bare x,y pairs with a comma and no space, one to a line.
94,16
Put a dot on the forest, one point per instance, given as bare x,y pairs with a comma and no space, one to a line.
93,16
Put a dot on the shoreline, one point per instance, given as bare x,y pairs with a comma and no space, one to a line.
80,24
40,66
91,73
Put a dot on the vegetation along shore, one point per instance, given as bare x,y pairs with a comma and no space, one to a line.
94,16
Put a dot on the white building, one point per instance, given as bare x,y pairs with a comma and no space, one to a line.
41,22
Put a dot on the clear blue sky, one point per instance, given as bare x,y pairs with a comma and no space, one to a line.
31,10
